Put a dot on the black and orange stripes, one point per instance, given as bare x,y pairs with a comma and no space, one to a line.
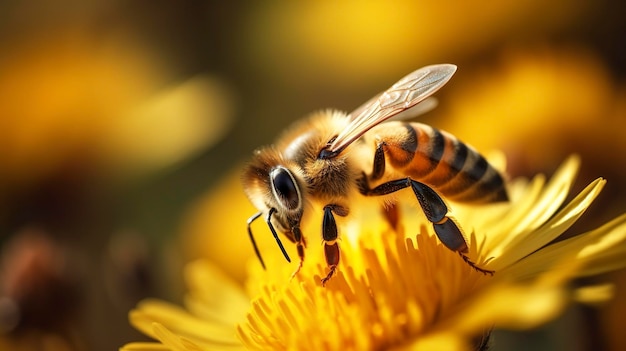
439,160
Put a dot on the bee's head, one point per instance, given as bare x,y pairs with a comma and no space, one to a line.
272,183
276,188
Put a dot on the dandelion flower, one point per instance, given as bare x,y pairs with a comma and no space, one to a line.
402,289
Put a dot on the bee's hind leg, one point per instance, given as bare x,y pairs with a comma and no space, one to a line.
450,235
435,210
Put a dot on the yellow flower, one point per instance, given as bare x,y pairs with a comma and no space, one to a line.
403,289
376,34
105,108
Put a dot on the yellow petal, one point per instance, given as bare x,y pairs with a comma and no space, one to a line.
214,296
534,305
169,339
523,245
499,226
531,213
598,251
181,322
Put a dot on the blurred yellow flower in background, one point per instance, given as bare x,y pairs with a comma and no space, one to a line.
402,289
69,100
354,39
538,104
78,118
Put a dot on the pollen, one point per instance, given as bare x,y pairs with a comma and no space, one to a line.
390,291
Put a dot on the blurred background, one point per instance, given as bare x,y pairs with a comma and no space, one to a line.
123,125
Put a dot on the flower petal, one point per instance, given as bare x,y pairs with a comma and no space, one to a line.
181,322
169,339
214,296
598,251
534,304
523,245
536,206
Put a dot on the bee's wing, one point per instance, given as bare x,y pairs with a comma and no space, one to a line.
402,96
423,107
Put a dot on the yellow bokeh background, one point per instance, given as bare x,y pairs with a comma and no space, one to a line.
124,126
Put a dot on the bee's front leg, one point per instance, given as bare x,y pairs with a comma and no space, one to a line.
300,246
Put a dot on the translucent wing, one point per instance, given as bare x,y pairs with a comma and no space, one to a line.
402,96
423,107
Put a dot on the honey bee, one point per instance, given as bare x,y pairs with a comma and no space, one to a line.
333,158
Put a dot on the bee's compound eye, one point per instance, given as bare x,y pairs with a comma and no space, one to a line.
284,188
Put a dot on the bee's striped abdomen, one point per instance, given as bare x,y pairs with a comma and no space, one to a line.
441,161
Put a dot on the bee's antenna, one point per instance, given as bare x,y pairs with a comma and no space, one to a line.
256,248
280,244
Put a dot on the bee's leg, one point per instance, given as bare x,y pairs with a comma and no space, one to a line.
268,220
390,211
447,231
329,235
254,245
435,210
300,246
378,169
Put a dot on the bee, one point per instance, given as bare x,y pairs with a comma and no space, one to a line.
333,158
